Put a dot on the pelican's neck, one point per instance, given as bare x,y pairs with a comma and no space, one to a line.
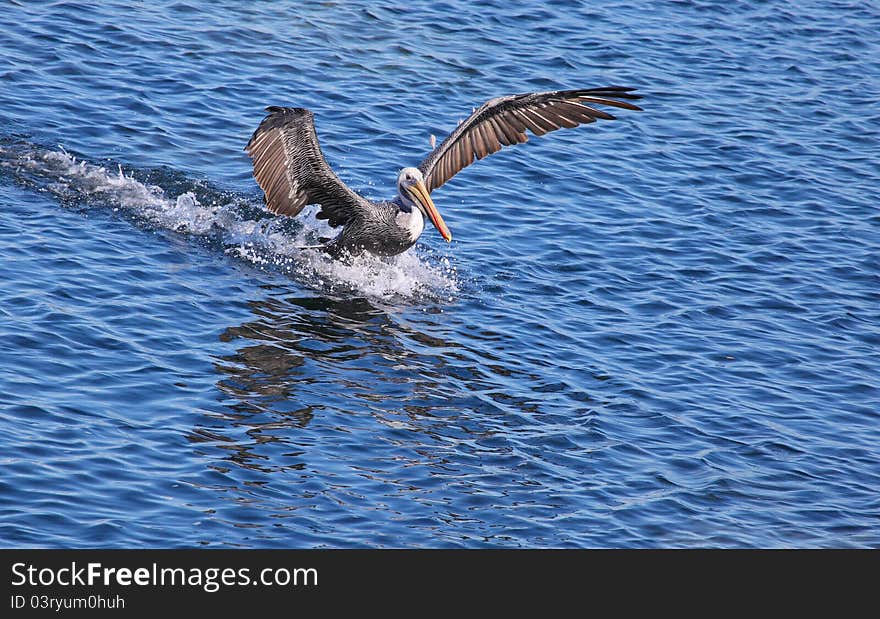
409,218
404,201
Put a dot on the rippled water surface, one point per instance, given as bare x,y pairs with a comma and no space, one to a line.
658,331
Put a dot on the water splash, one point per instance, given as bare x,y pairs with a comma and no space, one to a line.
237,225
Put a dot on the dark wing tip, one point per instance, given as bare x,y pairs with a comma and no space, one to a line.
277,117
280,115
623,105
288,111
626,92
607,95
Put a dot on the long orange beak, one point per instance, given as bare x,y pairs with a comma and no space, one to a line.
420,193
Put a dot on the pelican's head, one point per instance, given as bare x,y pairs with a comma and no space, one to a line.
413,192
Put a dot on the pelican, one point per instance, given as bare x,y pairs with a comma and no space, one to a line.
291,170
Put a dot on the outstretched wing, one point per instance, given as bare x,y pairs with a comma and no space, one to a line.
291,170
503,121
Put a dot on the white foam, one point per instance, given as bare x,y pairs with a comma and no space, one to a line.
268,243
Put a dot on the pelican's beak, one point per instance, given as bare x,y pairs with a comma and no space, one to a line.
420,193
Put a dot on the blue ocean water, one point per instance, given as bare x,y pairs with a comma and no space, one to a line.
658,331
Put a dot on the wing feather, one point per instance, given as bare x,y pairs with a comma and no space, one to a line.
504,121
505,130
291,170
529,123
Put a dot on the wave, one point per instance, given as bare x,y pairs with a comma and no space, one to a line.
168,200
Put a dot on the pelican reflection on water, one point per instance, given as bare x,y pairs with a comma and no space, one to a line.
291,170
